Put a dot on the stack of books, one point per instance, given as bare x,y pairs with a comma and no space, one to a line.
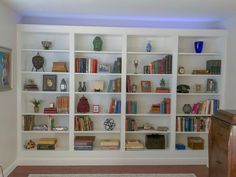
115,106
134,144
114,85
110,144
117,66
83,142
86,65
83,123
131,107
30,86
62,103
47,144
50,110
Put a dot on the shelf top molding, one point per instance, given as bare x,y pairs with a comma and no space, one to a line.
43,92
41,72
199,75
198,94
193,115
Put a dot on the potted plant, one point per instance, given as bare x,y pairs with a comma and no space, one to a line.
36,104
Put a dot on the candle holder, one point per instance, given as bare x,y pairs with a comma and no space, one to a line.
135,66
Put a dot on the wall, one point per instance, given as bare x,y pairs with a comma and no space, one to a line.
230,95
8,138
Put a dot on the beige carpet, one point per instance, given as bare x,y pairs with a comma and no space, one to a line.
112,175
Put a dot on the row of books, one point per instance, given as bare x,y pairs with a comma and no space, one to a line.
114,85
83,123
163,107
131,107
192,124
115,106
110,144
62,103
162,66
46,144
130,124
213,66
84,142
86,65
134,144
209,106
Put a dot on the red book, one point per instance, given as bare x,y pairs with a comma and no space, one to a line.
94,65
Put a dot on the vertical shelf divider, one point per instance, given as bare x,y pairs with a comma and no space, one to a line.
72,90
123,92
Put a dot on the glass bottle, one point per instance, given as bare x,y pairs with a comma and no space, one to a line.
84,87
80,89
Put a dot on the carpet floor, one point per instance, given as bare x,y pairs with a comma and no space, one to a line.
111,175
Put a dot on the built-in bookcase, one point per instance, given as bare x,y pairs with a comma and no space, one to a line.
133,95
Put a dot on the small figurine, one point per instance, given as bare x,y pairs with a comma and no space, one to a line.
97,43
30,144
149,46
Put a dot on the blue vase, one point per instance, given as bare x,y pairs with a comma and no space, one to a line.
198,45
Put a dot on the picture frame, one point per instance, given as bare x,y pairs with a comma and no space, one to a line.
146,86
6,69
49,82
104,68
96,108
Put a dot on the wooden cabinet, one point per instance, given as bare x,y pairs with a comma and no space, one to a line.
222,145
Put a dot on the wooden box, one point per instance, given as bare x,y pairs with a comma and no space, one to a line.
59,67
195,143
155,141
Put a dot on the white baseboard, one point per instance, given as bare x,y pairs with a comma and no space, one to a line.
111,161
9,169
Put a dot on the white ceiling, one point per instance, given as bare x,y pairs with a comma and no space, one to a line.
152,10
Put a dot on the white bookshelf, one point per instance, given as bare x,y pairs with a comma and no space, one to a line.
70,43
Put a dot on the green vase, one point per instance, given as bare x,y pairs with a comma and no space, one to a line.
97,44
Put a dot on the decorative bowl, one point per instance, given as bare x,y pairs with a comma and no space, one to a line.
46,44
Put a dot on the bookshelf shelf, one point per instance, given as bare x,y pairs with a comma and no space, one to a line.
150,115
199,54
149,53
98,93
51,132
98,131
45,51
44,92
122,49
198,75
98,52
147,132
42,73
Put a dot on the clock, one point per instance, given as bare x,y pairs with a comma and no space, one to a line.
181,70
187,108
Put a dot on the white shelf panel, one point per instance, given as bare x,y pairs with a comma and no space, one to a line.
192,132
98,52
147,93
198,94
98,74
96,114
58,149
149,115
46,51
193,115
147,132
149,53
41,73
46,132
45,114
43,92
199,54
153,75
98,132
198,75
97,93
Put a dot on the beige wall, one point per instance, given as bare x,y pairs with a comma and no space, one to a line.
8,135
230,92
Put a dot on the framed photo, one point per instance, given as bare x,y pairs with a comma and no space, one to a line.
146,86
49,82
96,109
5,69
104,68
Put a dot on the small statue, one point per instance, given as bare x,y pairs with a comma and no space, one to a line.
97,43
149,46
162,83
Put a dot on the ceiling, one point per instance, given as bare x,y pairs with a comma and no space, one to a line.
150,10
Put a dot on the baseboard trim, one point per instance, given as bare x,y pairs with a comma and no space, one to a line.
9,169
112,161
